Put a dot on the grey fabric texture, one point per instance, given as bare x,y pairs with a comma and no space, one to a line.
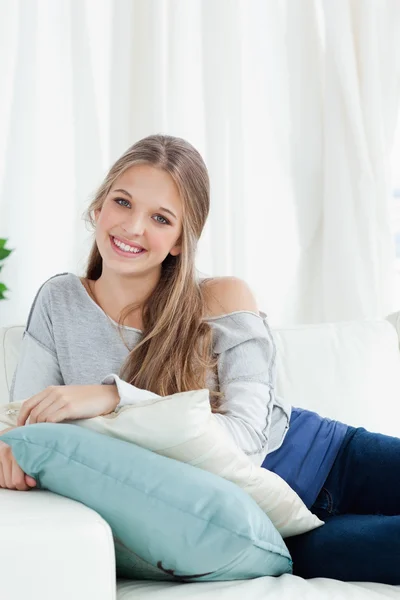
69,340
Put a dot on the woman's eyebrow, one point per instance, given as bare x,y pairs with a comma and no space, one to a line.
160,208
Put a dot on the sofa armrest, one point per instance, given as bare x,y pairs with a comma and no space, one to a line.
54,547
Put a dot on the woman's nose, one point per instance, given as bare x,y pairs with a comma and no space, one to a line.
135,225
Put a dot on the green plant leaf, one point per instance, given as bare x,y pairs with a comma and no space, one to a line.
3,288
3,252
3,255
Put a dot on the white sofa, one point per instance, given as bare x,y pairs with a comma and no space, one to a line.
52,547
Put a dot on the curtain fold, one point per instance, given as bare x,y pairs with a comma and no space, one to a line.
346,261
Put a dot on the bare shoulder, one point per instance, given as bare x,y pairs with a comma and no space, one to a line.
224,295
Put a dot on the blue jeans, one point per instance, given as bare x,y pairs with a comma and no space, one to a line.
360,504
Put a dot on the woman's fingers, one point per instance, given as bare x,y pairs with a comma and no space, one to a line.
30,481
46,411
29,405
7,472
12,477
42,410
18,477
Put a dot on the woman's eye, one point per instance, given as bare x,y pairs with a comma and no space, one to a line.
164,220
118,200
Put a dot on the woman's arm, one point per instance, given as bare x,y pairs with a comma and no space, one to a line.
255,418
246,372
37,368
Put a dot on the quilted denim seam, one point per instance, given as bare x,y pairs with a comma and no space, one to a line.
239,535
329,509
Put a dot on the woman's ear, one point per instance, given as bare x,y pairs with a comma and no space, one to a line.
175,250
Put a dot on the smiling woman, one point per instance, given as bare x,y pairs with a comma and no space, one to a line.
155,198
134,238
70,354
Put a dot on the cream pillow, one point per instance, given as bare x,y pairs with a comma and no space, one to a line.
182,426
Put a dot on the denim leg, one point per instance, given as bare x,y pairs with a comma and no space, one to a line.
360,504
365,477
349,548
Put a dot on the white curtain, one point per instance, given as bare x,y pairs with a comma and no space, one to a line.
292,104
342,139
52,155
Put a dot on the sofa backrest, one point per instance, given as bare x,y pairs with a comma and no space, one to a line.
348,371
10,342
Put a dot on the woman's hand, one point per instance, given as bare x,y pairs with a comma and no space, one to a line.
58,403
12,476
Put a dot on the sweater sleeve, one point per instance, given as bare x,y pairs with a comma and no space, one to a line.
37,365
247,375
255,417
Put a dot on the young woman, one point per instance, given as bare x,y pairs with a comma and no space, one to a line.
142,316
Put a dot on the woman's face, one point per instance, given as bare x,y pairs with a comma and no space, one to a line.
135,211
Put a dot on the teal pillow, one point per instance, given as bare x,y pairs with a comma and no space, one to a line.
170,520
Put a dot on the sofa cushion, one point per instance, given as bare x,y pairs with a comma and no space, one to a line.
170,521
182,426
347,371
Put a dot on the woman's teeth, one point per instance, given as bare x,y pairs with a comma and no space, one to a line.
125,247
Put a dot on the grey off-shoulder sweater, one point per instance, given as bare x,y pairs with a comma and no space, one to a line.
69,340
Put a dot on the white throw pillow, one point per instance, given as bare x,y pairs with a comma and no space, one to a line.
181,426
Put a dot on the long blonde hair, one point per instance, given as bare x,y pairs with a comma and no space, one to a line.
175,351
